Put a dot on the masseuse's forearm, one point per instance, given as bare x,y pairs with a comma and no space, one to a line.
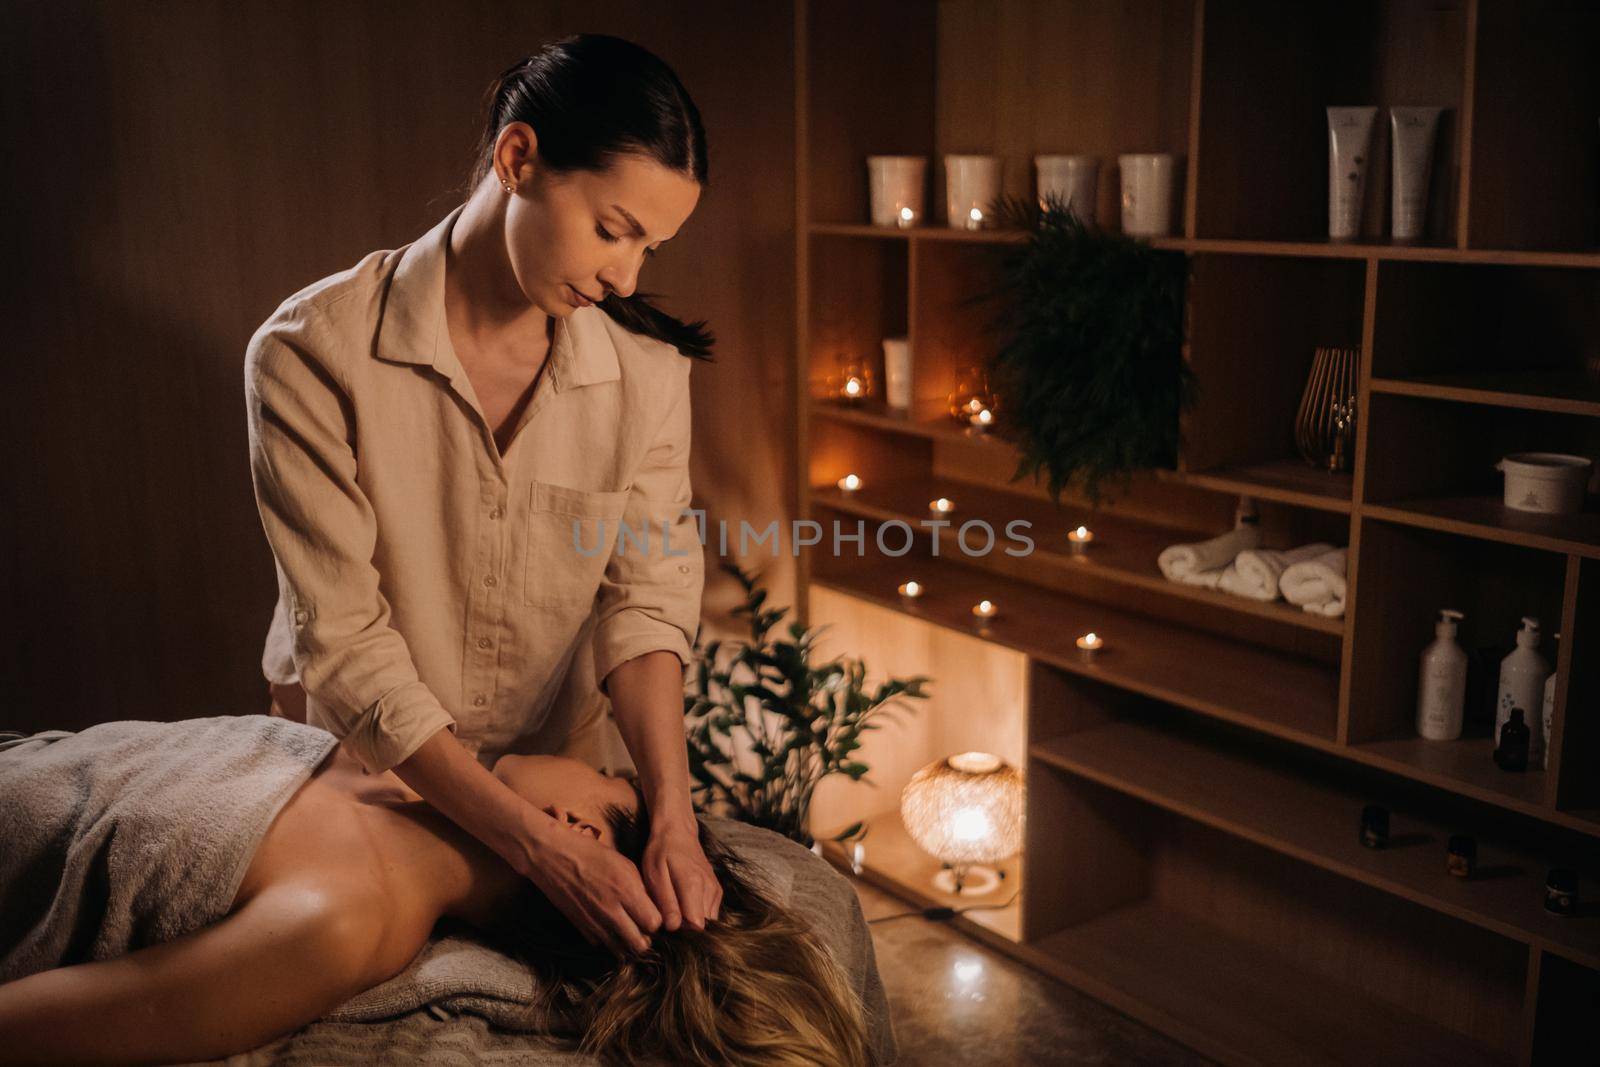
647,700
446,775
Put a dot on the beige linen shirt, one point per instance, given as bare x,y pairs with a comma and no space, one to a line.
424,580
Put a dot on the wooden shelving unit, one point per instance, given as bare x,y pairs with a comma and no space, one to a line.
1194,791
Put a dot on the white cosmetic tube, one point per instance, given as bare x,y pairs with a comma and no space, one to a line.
1349,135
1413,130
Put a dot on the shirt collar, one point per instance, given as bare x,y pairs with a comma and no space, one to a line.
412,326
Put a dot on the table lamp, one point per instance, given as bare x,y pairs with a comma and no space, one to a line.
966,812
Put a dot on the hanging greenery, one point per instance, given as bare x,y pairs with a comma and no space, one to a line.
765,724
1089,370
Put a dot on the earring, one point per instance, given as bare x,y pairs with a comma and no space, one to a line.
505,185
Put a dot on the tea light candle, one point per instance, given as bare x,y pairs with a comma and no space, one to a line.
853,388
850,483
981,419
985,610
1089,644
1079,539
975,219
911,589
942,506
906,219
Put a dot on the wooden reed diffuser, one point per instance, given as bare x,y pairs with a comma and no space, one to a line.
1325,427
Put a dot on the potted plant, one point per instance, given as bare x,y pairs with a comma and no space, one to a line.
765,724
1089,369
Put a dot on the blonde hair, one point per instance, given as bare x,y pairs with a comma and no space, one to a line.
755,987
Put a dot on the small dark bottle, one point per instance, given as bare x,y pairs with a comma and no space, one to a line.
1374,826
1512,755
1561,890
1461,857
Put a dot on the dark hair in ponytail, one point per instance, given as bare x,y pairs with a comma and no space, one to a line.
592,97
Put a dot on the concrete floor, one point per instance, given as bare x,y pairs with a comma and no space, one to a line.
955,1001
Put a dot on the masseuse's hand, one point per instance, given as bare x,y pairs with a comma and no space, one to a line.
679,876
596,887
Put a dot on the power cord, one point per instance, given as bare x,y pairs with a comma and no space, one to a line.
940,912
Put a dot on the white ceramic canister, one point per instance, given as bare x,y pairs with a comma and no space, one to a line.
1075,179
896,185
1551,483
1147,193
972,185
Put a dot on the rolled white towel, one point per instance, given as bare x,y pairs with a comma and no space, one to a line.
1317,585
1254,573
1179,562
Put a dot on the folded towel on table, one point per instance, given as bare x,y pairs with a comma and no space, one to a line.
1255,572
1317,585
1201,563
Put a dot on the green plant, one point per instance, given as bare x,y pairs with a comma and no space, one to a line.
765,724
1089,372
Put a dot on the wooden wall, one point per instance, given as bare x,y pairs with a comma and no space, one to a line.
174,171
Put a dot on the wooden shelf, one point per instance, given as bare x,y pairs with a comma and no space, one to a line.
1314,821
1231,1000
1123,550
1226,679
879,416
1415,253
1561,393
1291,481
1467,763
1488,518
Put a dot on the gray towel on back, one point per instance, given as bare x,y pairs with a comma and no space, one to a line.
131,833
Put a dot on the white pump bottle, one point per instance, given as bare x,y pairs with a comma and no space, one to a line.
1522,675
1442,685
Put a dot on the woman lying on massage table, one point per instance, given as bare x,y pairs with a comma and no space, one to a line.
340,876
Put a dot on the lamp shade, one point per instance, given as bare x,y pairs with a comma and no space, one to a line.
966,809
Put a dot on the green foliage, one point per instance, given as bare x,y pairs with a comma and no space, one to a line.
1089,374
765,724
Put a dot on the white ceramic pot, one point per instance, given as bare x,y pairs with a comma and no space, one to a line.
1551,483
897,372
1147,193
1074,179
896,185
971,187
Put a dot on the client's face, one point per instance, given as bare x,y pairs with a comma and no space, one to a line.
569,791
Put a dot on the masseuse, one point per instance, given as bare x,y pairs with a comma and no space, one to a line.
429,426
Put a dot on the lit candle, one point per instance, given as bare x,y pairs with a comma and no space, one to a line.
985,610
975,219
907,218
942,506
1089,644
849,483
853,388
911,589
981,419
1079,539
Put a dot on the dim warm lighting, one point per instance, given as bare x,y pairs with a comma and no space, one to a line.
965,811
911,589
854,388
1089,644
985,610
1079,539
975,219
907,217
943,506
850,483
981,419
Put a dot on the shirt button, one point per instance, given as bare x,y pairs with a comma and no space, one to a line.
683,567
300,616
497,512
484,642
491,581
480,700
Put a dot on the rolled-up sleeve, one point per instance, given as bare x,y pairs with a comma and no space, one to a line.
649,596
323,531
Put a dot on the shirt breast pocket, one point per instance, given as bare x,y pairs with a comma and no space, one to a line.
569,538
